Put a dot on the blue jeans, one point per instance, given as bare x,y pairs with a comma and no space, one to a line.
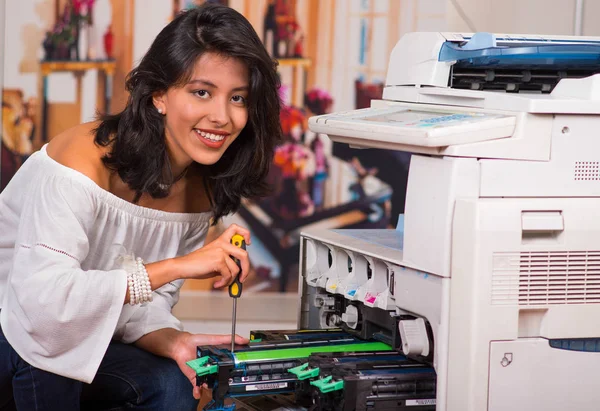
129,378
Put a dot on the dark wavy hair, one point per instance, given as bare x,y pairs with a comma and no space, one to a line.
136,136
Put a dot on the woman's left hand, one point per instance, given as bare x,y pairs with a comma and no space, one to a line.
185,350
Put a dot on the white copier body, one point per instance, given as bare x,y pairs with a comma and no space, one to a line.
499,248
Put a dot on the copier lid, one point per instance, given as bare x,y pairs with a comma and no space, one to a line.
485,50
416,126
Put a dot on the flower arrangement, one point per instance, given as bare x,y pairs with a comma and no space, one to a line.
318,101
61,43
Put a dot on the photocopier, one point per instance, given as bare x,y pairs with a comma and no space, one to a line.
492,275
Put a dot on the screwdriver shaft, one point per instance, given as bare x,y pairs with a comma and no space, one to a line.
233,324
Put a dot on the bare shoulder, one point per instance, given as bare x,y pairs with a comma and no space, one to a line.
75,148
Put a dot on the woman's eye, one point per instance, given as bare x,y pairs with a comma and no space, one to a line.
202,93
238,99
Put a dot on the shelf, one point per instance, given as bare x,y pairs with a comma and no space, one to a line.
294,62
50,66
77,67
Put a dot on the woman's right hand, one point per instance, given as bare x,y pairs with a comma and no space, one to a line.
214,259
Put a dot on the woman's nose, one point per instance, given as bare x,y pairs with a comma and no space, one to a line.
219,113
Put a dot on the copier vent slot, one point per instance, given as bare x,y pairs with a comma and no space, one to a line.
546,278
512,80
587,170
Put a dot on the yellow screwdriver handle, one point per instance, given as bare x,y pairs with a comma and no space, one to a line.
235,288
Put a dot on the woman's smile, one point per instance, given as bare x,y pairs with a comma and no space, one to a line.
213,139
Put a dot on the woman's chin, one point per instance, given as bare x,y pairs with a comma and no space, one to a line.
207,160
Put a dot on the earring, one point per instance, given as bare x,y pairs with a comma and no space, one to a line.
160,111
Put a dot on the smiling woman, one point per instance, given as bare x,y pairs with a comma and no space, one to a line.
114,217
222,62
204,117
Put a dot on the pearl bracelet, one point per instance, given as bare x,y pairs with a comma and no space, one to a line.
145,288
138,281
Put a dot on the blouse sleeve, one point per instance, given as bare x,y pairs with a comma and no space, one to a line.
154,315
57,316
157,313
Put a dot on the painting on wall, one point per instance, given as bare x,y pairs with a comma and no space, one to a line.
16,139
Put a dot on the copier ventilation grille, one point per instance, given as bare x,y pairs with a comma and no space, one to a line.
546,278
587,170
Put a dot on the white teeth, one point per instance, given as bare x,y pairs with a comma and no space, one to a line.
210,136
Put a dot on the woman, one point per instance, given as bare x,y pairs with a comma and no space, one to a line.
99,229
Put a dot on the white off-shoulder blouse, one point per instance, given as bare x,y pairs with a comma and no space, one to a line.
61,288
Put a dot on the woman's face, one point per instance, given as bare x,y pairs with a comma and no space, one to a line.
204,116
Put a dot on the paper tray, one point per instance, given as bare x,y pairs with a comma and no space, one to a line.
414,125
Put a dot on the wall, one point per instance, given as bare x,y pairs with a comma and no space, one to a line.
2,39
22,52
591,11
519,16
410,15
2,55
149,19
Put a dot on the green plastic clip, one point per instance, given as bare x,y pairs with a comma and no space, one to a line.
303,372
325,385
199,365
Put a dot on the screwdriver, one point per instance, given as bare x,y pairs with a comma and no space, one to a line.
235,288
